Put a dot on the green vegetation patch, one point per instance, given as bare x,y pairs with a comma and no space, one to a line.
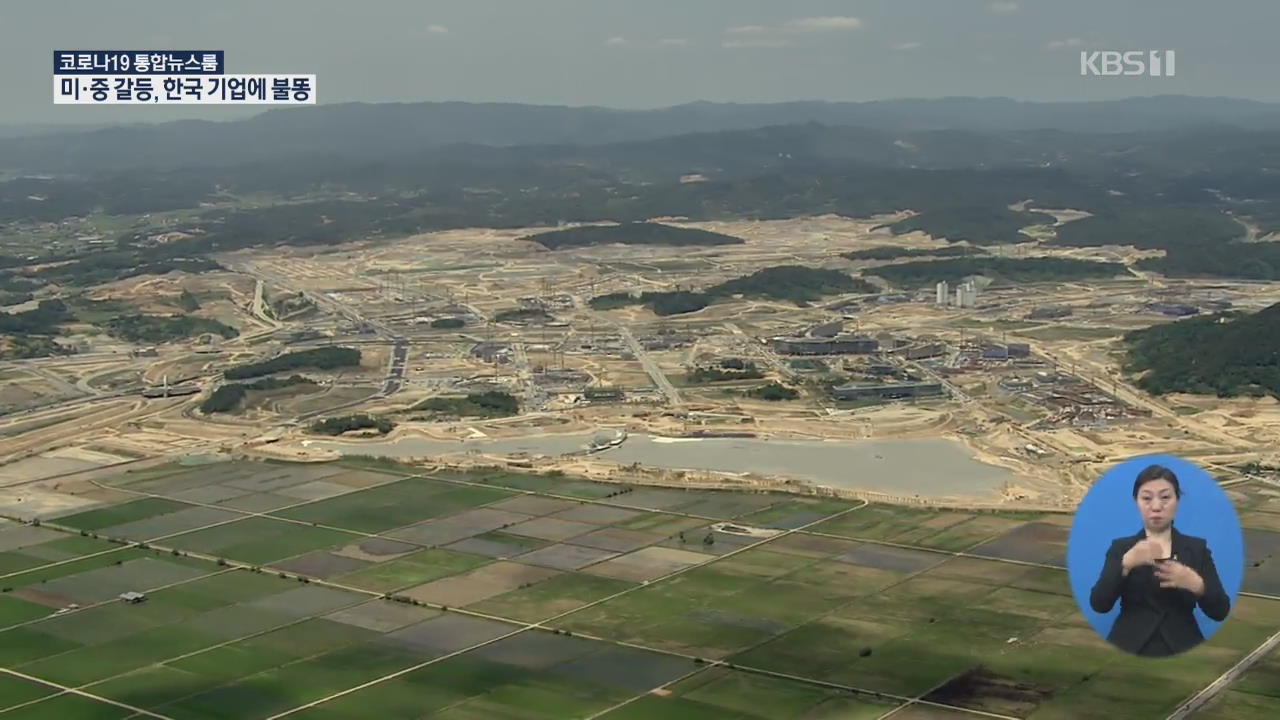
393,505
1008,270
12,562
518,315
21,347
674,302
1251,261
73,707
296,683
153,686
220,590
488,404
187,302
774,392
792,282
762,696
795,283
155,329
258,540
1227,355
1151,228
43,320
634,233
981,224
560,594
104,660
229,397
16,691
15,610
119,514
413,569
347,423
726,369
324,358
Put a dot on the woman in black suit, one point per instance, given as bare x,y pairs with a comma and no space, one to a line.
1159,575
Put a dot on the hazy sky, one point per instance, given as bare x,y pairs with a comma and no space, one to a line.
652,53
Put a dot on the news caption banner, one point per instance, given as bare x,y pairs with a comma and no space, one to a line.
175,77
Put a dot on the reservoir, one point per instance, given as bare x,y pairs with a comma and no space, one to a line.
923,466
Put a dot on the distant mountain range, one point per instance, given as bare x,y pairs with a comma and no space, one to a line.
391,130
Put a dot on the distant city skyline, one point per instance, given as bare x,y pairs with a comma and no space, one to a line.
653,53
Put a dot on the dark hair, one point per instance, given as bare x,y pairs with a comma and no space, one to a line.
1157,472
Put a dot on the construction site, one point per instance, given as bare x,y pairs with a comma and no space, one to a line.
1025,379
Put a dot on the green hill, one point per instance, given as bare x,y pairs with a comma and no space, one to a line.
792,282
782,282
324,358
635,233
1253,261
489,404
228,397
43,320
976,224
675,302
1228,354
1040,269
155,329
1152,228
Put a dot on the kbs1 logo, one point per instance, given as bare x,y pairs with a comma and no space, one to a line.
1155,63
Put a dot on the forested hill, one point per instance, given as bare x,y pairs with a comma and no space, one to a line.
395,129
636,233
922,273
1179,190
1228,355
979,225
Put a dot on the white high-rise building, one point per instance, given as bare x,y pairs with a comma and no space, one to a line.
967,295
943,291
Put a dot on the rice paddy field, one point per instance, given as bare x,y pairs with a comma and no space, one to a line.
337,591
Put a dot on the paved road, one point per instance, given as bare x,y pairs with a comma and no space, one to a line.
55,379
259,307
658,377
73,691
1225,679
395,368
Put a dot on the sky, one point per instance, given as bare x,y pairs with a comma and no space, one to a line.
650,53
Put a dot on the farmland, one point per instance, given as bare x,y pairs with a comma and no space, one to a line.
334,590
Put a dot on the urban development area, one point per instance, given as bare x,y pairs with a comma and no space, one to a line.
768,423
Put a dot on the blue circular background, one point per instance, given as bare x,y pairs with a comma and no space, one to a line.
1108,511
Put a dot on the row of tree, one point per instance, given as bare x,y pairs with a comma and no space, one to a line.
348,423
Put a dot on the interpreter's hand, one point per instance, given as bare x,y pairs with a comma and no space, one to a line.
1173,574
1144,552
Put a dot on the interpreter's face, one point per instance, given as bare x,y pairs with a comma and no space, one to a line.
1157,503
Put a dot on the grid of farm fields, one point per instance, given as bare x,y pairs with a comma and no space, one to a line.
348,590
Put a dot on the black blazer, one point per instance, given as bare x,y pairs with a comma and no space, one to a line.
1146,609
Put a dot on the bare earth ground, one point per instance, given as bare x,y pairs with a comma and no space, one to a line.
485,271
